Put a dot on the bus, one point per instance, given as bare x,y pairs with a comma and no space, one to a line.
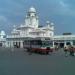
38,45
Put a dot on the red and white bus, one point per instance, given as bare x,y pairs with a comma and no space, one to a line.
38,45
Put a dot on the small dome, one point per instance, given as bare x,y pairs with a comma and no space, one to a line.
32,9
2,33
52,23
48,22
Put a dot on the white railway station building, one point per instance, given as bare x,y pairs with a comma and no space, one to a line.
32,29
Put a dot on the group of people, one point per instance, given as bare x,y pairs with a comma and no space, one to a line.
69,49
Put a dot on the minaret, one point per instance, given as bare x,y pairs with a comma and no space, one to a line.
48,24
14,27
2,34
50,27
31,18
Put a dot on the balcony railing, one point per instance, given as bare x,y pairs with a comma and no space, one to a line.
24,36
2,39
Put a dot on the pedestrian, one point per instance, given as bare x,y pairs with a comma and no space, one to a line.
66,50
72,51
30,50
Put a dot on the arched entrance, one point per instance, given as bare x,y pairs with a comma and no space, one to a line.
16,44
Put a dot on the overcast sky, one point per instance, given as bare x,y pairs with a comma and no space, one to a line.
61,12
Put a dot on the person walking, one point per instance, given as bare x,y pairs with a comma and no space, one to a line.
66,50
71,51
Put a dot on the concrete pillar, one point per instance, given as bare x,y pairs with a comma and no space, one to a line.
3,44
65,43
12,44
7,44
21,44
53,44
71,43
18,43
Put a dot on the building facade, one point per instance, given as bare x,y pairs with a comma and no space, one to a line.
30,29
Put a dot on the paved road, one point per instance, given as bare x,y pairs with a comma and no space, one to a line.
18,62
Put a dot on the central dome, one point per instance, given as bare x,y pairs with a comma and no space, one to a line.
32,9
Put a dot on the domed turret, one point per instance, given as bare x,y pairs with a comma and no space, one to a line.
48,22
2,33
32,18
32,9
52,23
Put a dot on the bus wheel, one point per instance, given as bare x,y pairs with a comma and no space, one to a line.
28,49
47,52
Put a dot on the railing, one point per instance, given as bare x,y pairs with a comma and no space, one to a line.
64,37
2,39
22,36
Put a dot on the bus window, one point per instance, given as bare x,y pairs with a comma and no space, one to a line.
36,42
47,43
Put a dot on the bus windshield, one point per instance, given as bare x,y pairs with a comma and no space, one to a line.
47,44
